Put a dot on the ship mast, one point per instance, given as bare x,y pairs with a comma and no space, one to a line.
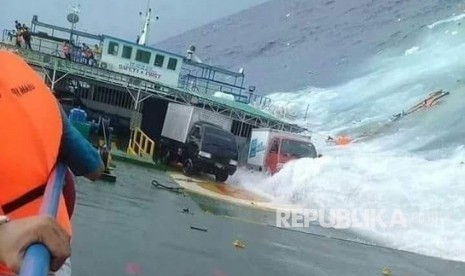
73,18
143,37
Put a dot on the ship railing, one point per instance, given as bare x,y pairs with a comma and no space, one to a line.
50,60
53,47
49,45
207,86
44,59
140,144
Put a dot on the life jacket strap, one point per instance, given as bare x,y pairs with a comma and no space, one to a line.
24,199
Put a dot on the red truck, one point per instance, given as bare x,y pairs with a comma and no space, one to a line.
270,149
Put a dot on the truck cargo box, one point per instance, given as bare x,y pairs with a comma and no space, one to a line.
180,118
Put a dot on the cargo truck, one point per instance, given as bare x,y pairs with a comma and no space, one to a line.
270,149
199,139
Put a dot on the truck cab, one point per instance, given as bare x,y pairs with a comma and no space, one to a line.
283,150
270,149
210,149
200,140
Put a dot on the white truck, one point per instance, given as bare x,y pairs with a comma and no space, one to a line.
200,139
270,149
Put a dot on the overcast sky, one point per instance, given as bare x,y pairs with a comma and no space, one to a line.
121,18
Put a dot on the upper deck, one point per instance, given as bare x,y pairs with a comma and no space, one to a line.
195,85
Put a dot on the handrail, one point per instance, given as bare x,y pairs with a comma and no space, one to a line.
36,22
140,144
37,258
205,85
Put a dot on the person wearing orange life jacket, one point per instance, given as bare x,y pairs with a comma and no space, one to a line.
35,134
339,140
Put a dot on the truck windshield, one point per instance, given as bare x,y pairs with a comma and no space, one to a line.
298,149
219,137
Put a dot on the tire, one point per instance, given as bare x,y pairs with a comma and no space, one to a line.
188,167
165,158
267,171
221,176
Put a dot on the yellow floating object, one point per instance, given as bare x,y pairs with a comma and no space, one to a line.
387,272
239,244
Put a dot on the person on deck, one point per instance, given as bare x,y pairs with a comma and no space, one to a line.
27,37
35,135
97,53
66,50
17,25
19,38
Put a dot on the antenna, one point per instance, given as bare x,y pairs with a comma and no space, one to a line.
76,8
143,37
73,18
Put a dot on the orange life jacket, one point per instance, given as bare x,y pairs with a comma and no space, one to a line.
343,140
30,131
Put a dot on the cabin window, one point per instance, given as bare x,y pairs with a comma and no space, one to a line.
241,129
127,52
274,147
143,56
113,48
172,62
196,132
159,59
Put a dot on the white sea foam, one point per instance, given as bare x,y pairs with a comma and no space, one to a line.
414,164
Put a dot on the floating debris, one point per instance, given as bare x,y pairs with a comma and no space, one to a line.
199,229
133,269
219,272
158,185
412,50
239,244
186,211
387,272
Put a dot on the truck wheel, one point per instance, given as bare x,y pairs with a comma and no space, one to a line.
268,171
165,158
221,176
188,167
